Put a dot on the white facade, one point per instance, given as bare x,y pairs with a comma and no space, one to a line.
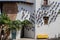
52,29
31,12
26,10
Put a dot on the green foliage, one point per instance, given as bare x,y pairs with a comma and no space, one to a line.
4,19
16,24
11,24
26,23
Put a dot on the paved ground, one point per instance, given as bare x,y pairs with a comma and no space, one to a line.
39,39
26,39
31,39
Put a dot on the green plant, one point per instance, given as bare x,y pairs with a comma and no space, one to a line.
4,19
26,23
15,25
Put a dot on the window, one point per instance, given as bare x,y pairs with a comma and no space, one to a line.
45,20
45,2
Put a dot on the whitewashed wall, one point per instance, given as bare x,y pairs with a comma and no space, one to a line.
24,6
30,9
52,29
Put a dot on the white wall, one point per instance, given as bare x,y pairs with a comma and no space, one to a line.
30,9
27,7
52,29
38,4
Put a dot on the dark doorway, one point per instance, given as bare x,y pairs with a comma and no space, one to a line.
28,32
22,32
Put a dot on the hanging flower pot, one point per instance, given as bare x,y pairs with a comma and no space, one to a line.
13,34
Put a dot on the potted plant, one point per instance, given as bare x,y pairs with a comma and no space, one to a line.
15,29
8,25
12,26
4,20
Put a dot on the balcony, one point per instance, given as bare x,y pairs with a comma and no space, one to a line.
25,1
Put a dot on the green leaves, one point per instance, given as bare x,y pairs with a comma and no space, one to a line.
4,19
26,23
16,24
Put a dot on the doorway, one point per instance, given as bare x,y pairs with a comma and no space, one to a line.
22,32
28,32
